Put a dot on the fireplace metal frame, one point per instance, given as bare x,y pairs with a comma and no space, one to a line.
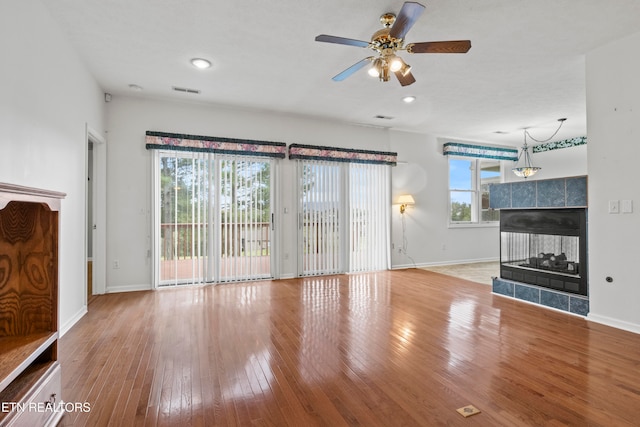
560,222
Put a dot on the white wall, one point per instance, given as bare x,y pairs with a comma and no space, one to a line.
429,239
129,186
47,98
613,91
129,170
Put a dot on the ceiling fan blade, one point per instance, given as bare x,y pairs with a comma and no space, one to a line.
408,15
405,80
453,46
341,40
355,67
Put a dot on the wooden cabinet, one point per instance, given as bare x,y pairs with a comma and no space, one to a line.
30,385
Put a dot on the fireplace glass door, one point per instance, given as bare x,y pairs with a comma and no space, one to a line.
559,254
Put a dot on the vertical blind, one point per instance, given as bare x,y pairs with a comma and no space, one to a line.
245,218
213,211
369,212
321,226
215,218
184,207
344,216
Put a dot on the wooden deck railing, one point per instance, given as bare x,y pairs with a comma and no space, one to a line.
184,241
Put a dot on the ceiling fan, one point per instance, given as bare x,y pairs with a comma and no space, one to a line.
388,41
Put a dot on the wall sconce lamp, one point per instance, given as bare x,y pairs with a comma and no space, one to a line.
404,201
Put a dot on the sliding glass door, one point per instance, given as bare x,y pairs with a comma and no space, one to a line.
321,228
244,218
369,216
184,211
214,219
344,215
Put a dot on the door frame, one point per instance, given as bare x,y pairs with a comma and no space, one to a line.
214,215
99,208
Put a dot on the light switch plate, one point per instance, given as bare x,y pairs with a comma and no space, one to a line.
626,206
614,206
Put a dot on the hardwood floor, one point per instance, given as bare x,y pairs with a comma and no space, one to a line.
396,348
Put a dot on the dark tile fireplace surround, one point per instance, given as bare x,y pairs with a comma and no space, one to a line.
543,242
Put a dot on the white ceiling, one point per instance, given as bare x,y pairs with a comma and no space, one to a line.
526,67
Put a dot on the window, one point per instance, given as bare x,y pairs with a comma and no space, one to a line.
469,180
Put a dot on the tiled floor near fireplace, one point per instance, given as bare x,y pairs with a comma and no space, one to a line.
481,272
484,272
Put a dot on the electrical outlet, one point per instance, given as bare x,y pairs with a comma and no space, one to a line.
116,263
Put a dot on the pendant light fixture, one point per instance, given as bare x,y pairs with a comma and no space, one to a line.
527,169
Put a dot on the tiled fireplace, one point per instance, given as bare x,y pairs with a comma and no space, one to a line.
543,242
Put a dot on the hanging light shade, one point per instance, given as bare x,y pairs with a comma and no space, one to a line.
526,169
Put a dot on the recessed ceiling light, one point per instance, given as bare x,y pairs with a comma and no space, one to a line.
201,63
409,99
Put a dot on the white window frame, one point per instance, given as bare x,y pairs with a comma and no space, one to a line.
476,193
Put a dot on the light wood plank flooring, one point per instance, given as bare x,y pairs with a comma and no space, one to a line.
396,348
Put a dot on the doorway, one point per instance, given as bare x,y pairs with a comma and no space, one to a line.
90,222
214,218
344,216
95,214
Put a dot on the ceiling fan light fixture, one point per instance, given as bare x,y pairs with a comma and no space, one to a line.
405,69
384,74
378,68
395,63
389,40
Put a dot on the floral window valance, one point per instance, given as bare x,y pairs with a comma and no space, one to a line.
212,144
479,151
565,143
335,154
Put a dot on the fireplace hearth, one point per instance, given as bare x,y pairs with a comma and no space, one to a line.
545,247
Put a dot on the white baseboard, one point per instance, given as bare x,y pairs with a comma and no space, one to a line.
404,266
128,288
614,323
74,319
287,276
442,263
